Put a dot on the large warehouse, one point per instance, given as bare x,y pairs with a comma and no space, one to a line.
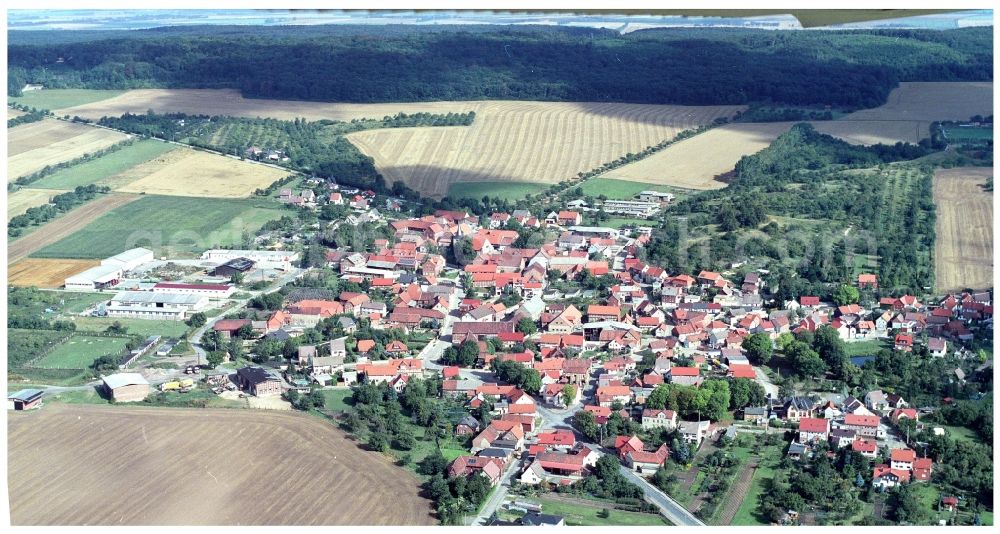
150,305
109,273
97,277
130,259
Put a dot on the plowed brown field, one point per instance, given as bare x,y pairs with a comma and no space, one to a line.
32,146
963,251
45,273
65,225
100,465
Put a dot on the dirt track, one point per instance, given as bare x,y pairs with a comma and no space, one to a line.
738,492
65,225
102,465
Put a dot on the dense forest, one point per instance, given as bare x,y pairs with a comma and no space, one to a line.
791,206
843,69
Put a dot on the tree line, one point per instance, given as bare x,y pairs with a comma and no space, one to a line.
666,66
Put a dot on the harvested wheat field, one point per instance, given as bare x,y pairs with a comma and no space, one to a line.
909,111
540,142
14,113
164,466
230,102
47,142
698,162
64,225
19,201
963,251
192,173
45,273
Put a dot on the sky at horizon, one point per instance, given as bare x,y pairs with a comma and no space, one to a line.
20,19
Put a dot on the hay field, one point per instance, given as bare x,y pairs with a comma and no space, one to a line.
14,113
65,225
87,465
696,162
540,142
45,273
192,173
47,142
230,102
19,201
963,251
909,111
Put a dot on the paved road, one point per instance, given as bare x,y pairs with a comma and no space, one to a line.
280,282
769,387
498,496
671,509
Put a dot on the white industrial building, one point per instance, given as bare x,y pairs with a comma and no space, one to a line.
130,259
149,305
110,271
655,196
631,208
97,277
215,291
266,259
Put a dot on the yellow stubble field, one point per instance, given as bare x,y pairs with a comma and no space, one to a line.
192,173
963,250
32,146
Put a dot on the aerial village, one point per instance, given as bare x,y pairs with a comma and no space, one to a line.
558,352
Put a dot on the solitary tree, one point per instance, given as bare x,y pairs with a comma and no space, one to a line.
569,394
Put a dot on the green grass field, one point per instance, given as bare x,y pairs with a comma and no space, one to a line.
135,326
582,513
35,302
869,347
969,134
769,459
53,99
171,226
613,189
105,167
337,399
962,434
505,190
80,351
88,396
24,345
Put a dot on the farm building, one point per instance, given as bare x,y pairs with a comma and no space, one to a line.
110,271
126,387
97,277
267,259
213,291
25,399
595,231
258,382
655,196
631,208
130,259
231,267
146,305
